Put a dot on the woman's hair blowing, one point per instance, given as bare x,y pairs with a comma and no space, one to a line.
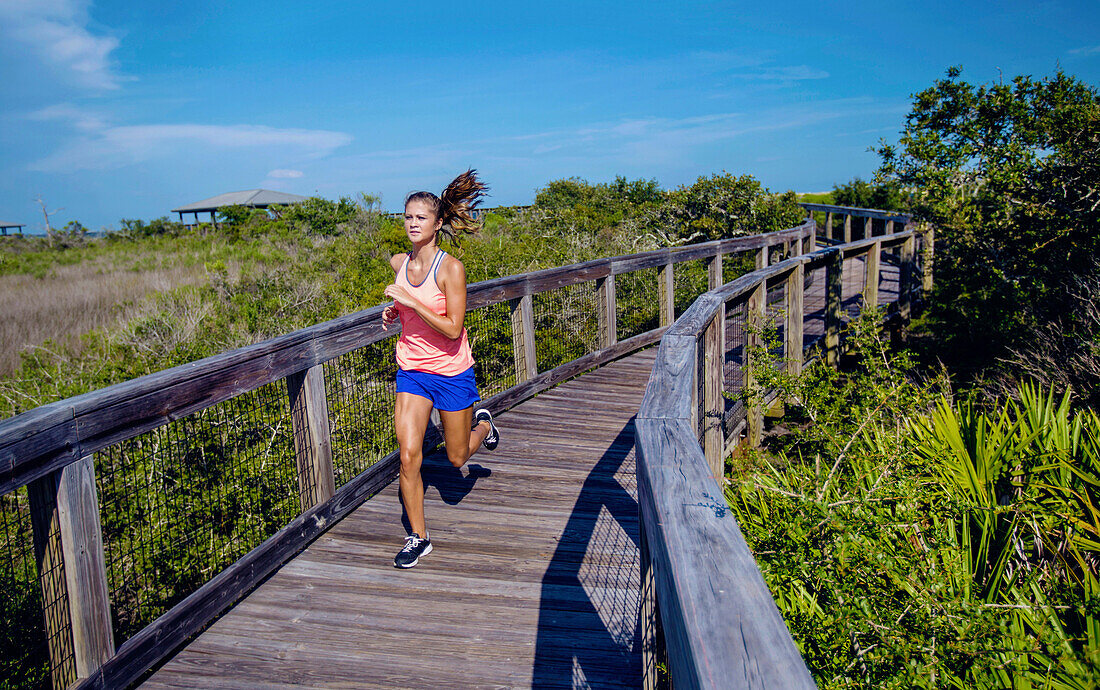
457,205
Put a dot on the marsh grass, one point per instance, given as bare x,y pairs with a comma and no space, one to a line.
55,310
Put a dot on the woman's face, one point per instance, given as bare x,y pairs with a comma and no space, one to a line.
421,223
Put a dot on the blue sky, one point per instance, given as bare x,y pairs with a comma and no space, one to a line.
112,109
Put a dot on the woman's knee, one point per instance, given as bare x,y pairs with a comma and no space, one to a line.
411,459
458,456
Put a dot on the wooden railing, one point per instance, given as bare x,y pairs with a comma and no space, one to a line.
719,626
276,441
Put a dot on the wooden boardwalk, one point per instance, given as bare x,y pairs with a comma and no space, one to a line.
534,580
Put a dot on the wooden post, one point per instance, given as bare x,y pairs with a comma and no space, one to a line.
868,228
926,261
665,295
889,227
605,312
872,266
834,293
68,545
829,225
714,271
793,330
762,258
754,322
905,279
714,437
312,442
847,228
523,337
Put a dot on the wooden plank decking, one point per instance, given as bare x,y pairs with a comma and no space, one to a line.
533,581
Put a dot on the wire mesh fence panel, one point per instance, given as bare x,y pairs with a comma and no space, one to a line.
490,333
689,280
182,502
733,360
775,321
852,289
637,307
736,265
566,324
361,392
813,307
25,643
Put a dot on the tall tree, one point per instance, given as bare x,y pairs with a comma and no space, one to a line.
1009,173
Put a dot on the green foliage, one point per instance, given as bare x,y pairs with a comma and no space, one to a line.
133,229
958,549
886,195
1008,173
320,216
723,206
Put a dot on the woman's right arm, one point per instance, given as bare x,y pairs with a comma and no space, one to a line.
389,314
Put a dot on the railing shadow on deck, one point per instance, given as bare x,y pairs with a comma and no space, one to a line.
134,515
573,636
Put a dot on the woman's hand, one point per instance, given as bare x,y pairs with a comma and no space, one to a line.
389,316
400,295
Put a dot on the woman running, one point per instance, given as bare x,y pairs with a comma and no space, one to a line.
435,366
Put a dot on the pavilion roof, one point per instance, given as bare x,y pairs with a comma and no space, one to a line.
6,224
254,198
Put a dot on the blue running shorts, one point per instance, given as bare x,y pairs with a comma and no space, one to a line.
447,393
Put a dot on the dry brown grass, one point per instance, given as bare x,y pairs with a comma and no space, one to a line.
73,300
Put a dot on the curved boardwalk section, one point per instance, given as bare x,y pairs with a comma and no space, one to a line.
534,580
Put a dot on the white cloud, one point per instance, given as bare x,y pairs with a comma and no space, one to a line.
58,33
114,147
285,174
83,120
1090,50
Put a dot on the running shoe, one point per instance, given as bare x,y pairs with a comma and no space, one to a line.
410,553
493,438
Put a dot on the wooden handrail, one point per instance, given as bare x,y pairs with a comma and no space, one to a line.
40,448
721,627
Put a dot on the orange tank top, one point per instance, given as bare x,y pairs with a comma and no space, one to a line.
421,347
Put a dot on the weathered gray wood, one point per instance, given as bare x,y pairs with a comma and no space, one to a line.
523,337
868,228
847,228
762,258
713,403
889,227
312,441
859,212
42,497
666,295
906,275
162,636
672,390
872,269
753,328
792,331
834,286
534,580
829,225
66,524
607,321
714,271
721,626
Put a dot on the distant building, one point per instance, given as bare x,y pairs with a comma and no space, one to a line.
4,225
252,198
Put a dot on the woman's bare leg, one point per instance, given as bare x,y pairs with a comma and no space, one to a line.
461,442
410,420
